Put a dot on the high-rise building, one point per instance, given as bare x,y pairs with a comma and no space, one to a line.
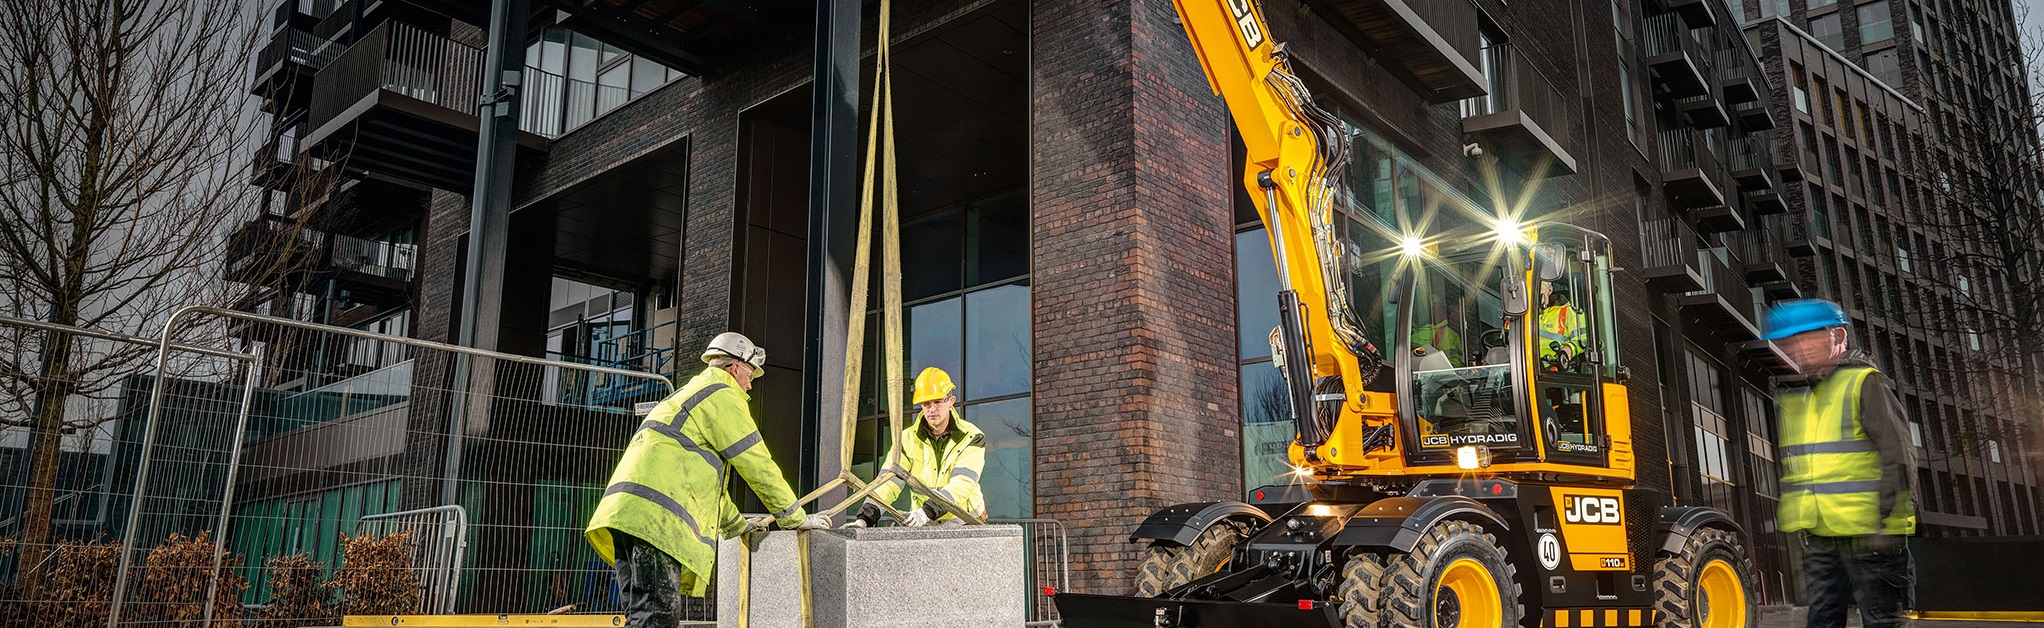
1902,112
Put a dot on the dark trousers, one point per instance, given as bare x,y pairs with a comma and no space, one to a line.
649,581
1873,573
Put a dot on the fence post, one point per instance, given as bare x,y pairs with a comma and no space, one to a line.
255,370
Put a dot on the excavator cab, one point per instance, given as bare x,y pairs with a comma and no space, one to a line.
1502,356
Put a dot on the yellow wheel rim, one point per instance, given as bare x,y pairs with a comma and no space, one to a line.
1720,597
1468,597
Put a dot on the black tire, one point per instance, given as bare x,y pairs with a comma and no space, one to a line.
1362,584
1167,565
1677,576
1413,591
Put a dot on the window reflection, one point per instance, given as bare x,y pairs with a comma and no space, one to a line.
1006,479
997,342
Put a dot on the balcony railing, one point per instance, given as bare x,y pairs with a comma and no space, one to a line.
300,47
1677,57
552,105
1725,299
1523,113
402,59
1765,259
272,246
1693,175
1668,252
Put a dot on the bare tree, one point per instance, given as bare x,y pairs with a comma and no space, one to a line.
124,159
1980,171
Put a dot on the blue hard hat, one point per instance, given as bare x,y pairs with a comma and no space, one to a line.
1789,318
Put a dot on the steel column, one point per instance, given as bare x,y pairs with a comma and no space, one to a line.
833,216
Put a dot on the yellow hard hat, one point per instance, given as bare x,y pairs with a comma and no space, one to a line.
933,384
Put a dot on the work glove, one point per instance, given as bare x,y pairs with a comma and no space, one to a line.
758,522
869,515
916,518
818,521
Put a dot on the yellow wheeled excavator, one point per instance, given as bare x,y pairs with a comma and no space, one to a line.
1479,473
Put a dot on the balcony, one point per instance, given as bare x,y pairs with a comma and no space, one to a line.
1523,118
401,103
1753,116
1678,60
1668,252
697,37
1698,13
1765,259
1430,45
276,250
1753,162
1725,302
1691,174
284,67
1720,219
1704,111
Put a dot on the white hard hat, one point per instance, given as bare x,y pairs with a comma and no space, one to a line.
736,345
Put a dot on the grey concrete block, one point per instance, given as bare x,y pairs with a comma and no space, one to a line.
938,576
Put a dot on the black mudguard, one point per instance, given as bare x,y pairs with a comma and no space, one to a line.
1114,611
1677,523
1183,523
1398,522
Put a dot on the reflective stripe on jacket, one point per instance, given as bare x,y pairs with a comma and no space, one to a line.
1562,324
1831,470
952,472
668,487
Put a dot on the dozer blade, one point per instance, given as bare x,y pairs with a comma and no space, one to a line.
1113,611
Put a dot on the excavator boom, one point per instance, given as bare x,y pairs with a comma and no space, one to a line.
1294,146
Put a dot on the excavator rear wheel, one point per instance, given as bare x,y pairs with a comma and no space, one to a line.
1709,584
1362,584
1456,576
1167,565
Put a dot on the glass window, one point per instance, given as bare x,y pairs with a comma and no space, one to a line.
1884,67
1874,23
997,341
610,87
1827,31
934,243
1772,8
1266,426
1816,4
997,239
1006,480
1462,371
934,330
1256,291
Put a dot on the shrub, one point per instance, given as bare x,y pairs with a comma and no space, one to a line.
171,587
76,589
376,575
297,596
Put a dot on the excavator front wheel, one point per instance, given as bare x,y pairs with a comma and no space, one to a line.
1167,565
1361,590
1456,576
1708,584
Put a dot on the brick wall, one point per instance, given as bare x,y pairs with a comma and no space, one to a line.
1134,323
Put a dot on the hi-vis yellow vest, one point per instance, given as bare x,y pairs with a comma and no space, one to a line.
668,489
1831,473
1562,324
953,473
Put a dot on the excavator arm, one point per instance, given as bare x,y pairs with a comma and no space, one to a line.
1295,149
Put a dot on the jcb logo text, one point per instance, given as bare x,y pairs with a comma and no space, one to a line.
1590,510
1245,19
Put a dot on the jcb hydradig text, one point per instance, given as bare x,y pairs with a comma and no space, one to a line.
1479,473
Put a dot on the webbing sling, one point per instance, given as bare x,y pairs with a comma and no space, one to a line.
745,576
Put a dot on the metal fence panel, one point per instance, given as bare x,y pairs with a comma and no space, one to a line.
328,471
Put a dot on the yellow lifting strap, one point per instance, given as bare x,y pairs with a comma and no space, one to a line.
879,188
744,605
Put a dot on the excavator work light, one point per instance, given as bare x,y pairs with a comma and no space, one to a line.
1510,232
1412,246
1472,457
